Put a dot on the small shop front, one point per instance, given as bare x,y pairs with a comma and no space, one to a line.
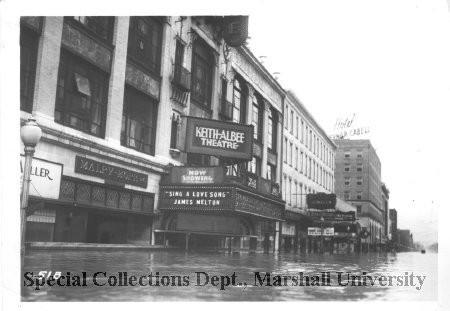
295,232
346,237
68,209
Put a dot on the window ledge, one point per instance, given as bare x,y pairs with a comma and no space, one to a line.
175,153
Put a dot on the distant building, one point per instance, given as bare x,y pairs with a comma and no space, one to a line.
393,226
385,205
308,167
405,240
358,181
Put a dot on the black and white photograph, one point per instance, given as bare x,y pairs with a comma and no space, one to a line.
260,151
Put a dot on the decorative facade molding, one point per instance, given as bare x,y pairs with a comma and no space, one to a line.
258,81
142,81
76,41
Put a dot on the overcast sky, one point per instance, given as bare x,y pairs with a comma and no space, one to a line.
387,62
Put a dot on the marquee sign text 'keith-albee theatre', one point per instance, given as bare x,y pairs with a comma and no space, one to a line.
217,138
109,172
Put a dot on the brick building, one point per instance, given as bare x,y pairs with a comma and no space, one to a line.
358,181
112,96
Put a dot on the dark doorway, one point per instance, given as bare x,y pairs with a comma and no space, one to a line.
106,229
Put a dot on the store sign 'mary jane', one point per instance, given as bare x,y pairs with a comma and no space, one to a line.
91,167
222,139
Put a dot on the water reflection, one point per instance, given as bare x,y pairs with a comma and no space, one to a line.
140,263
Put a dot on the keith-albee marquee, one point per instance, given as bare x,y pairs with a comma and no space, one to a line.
218,138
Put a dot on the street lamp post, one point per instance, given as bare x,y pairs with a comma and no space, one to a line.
321,234
30,133
348,239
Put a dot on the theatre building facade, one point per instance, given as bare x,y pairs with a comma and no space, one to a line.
156,130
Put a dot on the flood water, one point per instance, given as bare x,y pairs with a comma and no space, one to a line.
142,263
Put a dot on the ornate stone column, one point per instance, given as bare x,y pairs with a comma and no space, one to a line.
279,147
163,124
265,138
117,81
249,103
47,68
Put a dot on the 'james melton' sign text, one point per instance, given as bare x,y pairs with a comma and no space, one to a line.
223,139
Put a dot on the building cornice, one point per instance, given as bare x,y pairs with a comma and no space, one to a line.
296,101
86,146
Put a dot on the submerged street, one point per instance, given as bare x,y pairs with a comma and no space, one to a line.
413,276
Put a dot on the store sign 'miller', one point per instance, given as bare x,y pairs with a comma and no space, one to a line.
222,139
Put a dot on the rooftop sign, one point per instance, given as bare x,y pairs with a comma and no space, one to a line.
218,138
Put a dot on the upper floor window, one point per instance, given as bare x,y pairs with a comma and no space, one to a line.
286,113
145,42
28,54
302,131
195,159
254,166
202,73
317,147
257,118
359,195
359,181
272,129
271,169
290,154
102,26
296,127
310,146
239,101
301,162
347,181
138,121
295,195
346,167
181,76
359,153
292,122
309,169
174,133
82,93
346,195
347,154
359,167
